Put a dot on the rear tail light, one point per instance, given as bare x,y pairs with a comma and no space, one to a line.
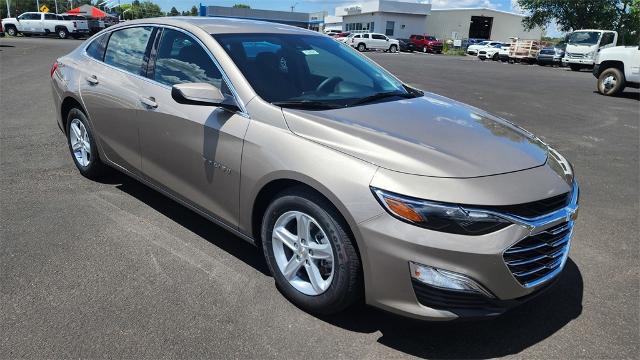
54,68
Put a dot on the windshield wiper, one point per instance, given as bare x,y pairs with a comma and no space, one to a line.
307,104
382,95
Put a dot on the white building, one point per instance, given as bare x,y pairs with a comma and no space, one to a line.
402,18
394,18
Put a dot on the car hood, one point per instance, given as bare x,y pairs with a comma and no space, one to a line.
429,135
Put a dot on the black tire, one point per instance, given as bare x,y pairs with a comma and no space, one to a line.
495,57
362,47
95,169
11,31
611,74
346,285
393,48
62,33
575,67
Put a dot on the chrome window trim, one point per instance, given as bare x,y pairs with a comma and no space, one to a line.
243,110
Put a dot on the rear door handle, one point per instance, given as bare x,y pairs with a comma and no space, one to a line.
92,80
149,102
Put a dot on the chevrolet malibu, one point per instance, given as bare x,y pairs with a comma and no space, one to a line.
354,184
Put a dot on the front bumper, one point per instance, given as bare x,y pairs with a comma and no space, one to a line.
392,244
588,62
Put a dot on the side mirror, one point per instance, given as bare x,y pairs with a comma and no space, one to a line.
203,94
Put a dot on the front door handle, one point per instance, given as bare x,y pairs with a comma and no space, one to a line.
149,102
92,80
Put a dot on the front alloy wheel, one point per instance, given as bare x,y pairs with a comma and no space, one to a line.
303,253
310,253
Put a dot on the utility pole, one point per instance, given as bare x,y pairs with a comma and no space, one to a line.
56,2
37,5
293,7
8,9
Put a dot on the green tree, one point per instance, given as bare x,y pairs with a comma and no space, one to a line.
242,6
173,12
620,15
194,11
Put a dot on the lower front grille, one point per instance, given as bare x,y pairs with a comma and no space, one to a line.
539,257
466,304
454,301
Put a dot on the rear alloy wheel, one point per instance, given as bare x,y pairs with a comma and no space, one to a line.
312,258
362,47
393,48
63,33
83,146
11,31
611,82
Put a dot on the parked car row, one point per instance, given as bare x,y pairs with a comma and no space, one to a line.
615,67
364,41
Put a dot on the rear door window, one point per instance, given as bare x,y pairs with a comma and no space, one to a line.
50,17
126,49
97,47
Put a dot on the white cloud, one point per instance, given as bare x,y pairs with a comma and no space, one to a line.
445,4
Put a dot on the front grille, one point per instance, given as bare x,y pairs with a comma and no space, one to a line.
534,209
483,52
576,56
539,257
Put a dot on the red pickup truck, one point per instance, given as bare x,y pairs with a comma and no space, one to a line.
426,43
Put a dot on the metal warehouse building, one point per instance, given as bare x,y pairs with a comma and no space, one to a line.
478,23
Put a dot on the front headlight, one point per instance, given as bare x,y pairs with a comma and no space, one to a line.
437,216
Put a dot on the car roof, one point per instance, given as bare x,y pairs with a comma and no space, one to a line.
218,25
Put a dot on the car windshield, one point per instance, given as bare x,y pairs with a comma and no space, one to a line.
308,71
584,38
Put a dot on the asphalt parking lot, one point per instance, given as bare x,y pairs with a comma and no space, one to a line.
114,269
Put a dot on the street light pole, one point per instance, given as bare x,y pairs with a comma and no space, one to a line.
8,9
37,5
56,2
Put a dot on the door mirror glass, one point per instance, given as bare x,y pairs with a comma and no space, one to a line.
202,94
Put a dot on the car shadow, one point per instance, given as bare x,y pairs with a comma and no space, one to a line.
190,220
508,334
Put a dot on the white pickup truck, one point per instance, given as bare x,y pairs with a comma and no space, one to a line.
29,23
617,67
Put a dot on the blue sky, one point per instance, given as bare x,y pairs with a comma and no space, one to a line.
320,5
